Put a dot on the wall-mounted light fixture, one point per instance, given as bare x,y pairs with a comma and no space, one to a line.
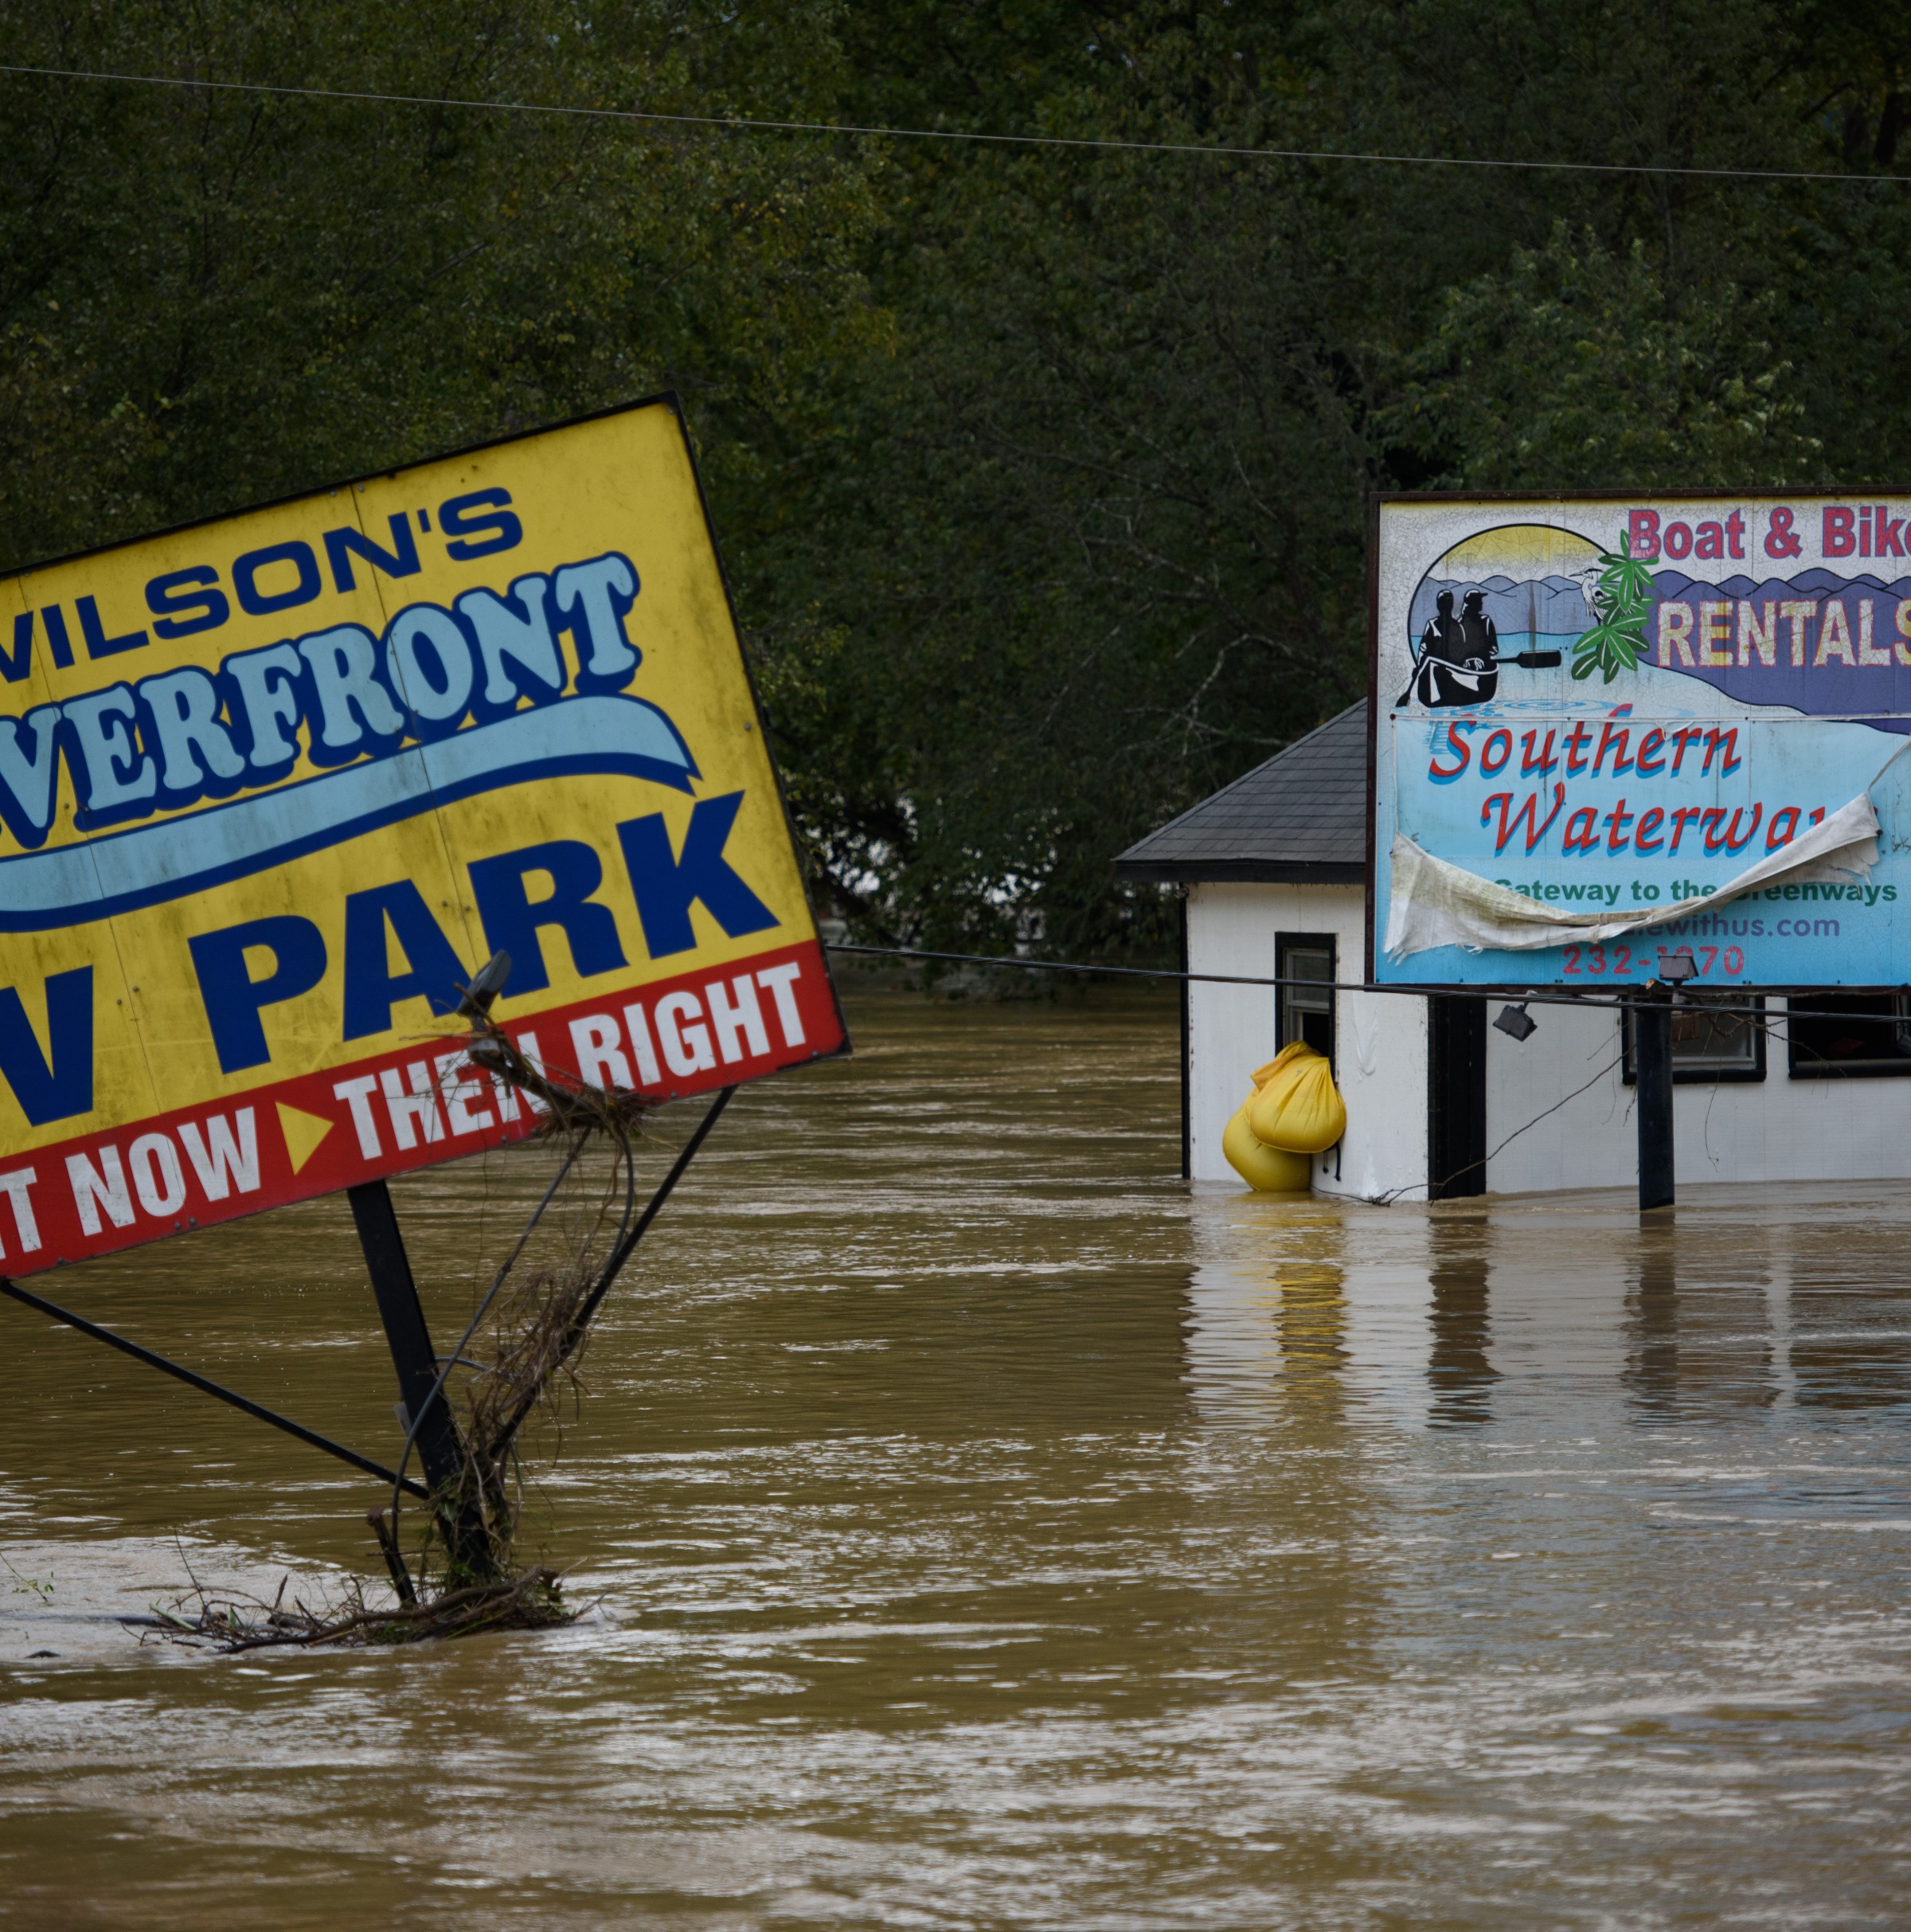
1516,1023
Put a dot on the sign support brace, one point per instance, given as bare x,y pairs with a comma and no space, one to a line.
206,1385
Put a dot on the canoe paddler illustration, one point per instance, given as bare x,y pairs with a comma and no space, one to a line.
1456,660
1511,595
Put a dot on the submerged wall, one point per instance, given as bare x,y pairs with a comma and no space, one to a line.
1380,1052
1778,1129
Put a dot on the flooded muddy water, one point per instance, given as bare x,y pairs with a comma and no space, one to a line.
985,1528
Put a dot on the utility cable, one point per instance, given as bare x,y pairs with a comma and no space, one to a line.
1107,144
619,1255
1758,1013
1393,1194
1584,1002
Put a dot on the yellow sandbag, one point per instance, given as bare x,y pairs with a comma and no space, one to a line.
1299,1107
1274,1085
1266,1169
1262,1074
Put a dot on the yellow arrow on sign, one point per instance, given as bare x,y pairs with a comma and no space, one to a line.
302,1132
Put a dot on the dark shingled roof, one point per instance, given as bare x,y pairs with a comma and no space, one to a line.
1302,817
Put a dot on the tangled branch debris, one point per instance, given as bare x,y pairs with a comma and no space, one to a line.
518,1359
531,1601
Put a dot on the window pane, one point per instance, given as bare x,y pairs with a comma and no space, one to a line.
1309,965
1708,1044
1826,1040
1307,1011
1700,1039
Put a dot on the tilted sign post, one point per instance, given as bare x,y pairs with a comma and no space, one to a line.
276,787
1623,741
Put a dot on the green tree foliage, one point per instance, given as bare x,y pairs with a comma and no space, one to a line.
209,298
1043,476
1575,366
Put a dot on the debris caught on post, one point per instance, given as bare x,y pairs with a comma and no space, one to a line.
519,1358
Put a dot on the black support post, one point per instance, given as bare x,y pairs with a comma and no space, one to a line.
1652,1057
1187,1070
439,1450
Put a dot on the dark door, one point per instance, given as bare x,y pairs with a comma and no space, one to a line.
1457,1096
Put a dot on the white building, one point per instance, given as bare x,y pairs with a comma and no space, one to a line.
1274,872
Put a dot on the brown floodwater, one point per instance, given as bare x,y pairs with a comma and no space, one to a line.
982,1527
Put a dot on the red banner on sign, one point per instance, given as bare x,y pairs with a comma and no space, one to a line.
406,1107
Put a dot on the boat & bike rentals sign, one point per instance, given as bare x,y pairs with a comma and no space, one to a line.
274,787
1607,727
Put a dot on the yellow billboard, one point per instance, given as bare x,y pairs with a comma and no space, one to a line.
274,787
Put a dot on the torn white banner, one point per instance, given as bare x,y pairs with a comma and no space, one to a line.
1436,904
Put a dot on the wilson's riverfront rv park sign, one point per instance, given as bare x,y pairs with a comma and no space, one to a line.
275,787
1608,729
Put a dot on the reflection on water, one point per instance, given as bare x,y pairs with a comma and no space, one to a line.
1652,1361
1311,1317
1460,1370
986,1529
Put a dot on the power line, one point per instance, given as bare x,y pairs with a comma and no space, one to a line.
752,124
1598,1003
